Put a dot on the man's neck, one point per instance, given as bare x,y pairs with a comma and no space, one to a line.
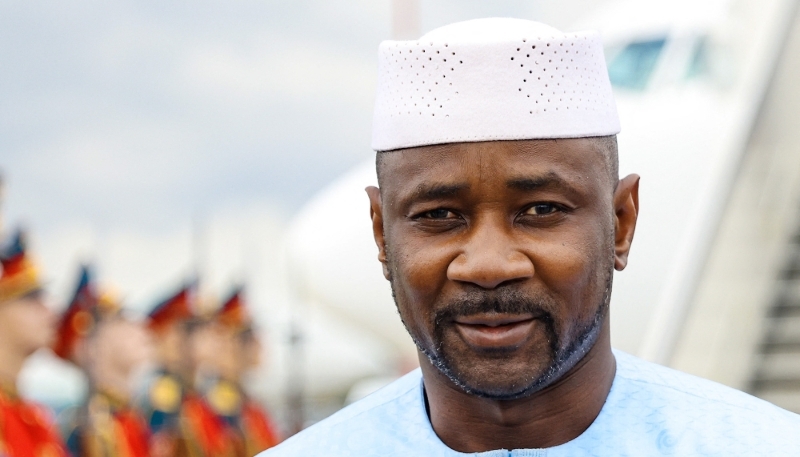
555,415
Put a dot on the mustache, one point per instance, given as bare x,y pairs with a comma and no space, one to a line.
498,301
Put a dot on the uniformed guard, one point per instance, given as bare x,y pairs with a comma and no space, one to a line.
108,346
26,325
207,433
168,323
242,353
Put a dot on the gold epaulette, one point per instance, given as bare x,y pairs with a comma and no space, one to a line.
225,398
166,394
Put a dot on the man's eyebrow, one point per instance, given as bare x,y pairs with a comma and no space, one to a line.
549,180
427,192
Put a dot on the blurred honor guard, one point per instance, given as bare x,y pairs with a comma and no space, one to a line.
168,324
108,347
242,353
26,325
206,432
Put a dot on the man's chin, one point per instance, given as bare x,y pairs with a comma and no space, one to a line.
500,380
501,389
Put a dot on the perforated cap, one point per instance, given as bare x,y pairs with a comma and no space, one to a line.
492,79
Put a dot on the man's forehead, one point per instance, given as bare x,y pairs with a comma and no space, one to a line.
564,157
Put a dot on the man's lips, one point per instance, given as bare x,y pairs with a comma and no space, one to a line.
495,331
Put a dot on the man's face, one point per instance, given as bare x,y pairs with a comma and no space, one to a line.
26,324
240,352
206,345
123,344
171,345
500,255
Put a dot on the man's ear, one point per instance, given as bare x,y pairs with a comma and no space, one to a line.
376,214
626,211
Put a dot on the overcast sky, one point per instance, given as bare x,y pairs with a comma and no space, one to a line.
122,122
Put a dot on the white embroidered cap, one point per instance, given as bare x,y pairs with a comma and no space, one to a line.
492,79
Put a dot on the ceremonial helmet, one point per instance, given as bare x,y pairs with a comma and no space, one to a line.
87,306
19,276
233,313
177,307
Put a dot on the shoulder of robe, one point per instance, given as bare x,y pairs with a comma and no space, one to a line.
389,422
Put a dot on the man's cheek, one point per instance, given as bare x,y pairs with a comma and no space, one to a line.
420,272
565,266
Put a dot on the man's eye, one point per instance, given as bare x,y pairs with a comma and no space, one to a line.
541,209
438,214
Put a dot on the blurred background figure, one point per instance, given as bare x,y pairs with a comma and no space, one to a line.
110,347
241,353
207,433
214,414
26,325
166,393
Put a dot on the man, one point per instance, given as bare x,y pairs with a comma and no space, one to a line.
206,432
241,353
499,221
109,347
181,422
168,322
26,325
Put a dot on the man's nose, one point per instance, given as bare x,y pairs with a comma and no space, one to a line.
490,258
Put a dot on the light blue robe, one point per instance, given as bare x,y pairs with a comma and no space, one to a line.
650,411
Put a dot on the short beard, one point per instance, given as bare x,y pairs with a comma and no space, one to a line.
562,357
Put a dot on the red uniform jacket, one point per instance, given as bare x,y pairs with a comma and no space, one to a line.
110,428
259,431
205,432
26,429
